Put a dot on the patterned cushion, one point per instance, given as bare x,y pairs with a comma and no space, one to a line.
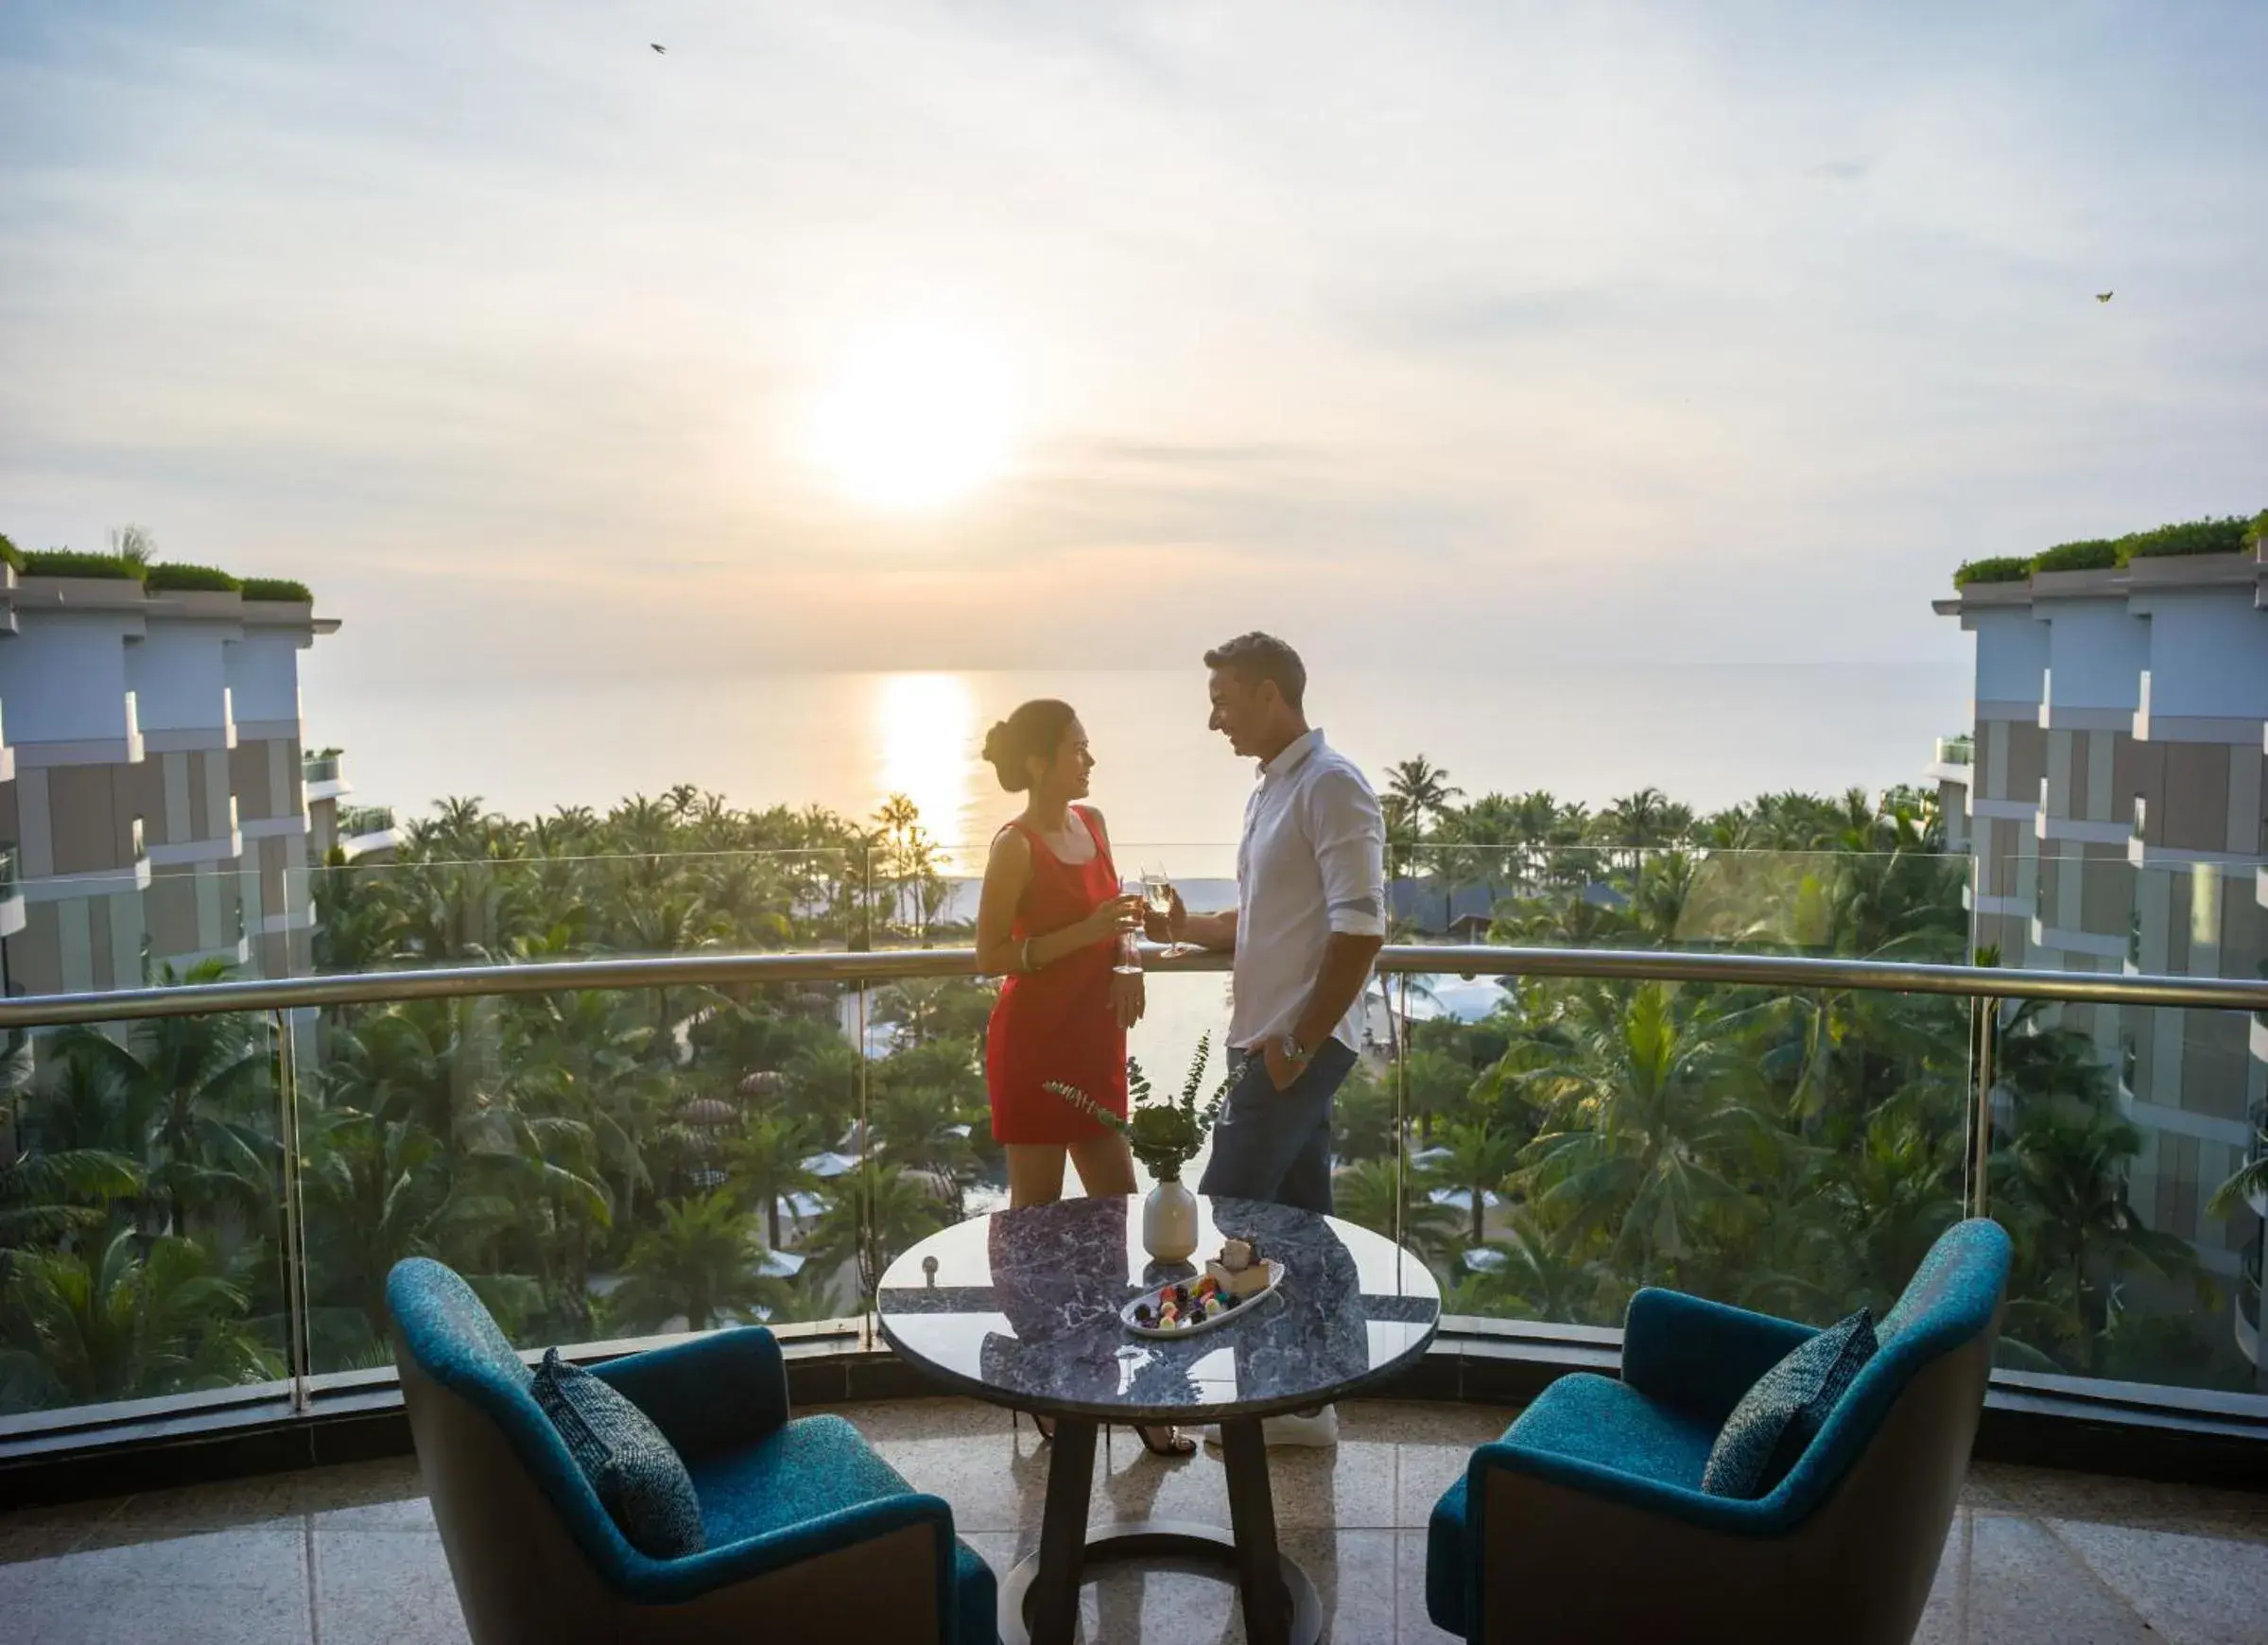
1780,1417
632,1468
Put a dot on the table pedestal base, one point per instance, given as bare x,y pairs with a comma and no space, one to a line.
1185,1539
1039,1602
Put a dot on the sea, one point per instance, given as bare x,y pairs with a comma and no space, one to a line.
1706,735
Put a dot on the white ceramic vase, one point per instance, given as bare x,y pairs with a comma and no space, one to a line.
1169,1222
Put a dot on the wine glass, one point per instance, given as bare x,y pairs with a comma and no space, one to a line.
1157,895
1129,929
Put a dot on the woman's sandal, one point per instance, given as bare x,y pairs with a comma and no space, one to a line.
1175,1444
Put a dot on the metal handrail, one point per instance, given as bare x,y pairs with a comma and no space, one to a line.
889,965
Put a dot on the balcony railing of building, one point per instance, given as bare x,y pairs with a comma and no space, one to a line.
571,1130
361,819
1956,751
11,871
322,767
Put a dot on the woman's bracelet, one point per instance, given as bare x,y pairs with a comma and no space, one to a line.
1024,963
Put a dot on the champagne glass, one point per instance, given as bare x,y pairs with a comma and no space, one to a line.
1157,894
1130,929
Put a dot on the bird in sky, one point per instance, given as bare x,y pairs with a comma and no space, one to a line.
665,50
2103,297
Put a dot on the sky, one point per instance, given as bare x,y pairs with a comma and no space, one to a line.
1671,333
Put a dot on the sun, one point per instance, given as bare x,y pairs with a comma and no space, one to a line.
917,417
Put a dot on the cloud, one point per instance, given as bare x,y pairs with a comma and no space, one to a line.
502,330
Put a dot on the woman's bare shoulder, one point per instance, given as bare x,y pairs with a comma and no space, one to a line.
1010,848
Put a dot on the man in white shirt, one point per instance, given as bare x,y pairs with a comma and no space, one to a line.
1309,919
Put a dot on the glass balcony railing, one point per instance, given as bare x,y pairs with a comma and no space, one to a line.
11,874
319,769
613,1159
1956,751
360,819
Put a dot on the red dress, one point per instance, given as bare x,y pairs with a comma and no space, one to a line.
1057,1023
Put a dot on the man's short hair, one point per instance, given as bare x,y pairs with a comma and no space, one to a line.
1254,657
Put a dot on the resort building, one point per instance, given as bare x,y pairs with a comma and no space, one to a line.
155,812
2111,795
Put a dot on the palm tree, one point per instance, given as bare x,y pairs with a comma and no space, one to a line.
1362,1119
877,1213
1544,1276
1639,822
1421,789
766,1164
1371,1192
45,1197
1480,1158
141,1316
195,1100
1439,1087
919,1129
824,1087
700,1261
1644,1122
2062,1180
378,1191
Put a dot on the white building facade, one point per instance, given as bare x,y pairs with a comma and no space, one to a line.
2113,801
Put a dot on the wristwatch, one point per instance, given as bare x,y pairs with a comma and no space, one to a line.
1295,1053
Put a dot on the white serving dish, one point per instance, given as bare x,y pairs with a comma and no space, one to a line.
1226,1316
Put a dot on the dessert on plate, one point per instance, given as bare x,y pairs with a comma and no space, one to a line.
1237,1271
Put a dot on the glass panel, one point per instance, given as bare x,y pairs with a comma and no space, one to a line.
1570,1140
142,1193
598,1163
2126,1140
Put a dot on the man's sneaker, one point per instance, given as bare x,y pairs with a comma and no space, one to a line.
1318,1428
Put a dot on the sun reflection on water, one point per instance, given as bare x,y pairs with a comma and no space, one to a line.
928,743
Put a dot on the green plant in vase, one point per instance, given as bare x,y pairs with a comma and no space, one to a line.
1165,1136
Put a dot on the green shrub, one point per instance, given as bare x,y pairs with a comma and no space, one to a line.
10,554
71,562
2255,534
2191,537
281,588
1999,568
2099,554
170,575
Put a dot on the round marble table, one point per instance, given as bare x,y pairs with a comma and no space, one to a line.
1021,1307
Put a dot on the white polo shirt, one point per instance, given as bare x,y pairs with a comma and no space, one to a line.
1312,862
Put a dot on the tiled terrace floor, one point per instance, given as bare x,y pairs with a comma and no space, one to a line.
349,1555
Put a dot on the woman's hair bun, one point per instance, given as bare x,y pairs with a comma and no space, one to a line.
1033,732
1000,754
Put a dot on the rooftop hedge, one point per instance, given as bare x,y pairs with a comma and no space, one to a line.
278,588
2230,535
2225,536
72,563
2096,554
170,575
1999,568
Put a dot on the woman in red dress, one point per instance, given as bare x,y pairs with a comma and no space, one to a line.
1053,925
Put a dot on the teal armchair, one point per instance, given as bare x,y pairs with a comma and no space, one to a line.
1587,1520
809,1533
